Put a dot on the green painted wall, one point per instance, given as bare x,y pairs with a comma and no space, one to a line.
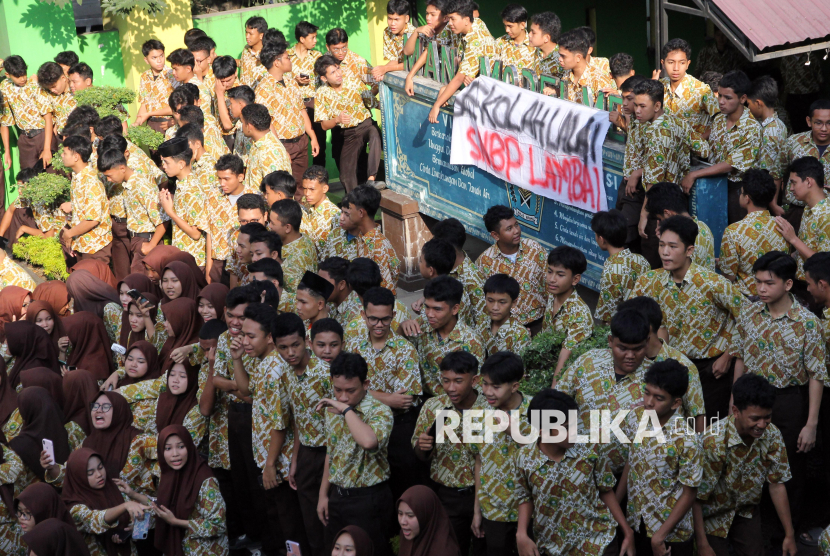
102,51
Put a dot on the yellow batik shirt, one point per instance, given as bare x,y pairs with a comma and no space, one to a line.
738,146
548,65
154,90
350,466
528,270
693,404
355,330
190,204
573,317
523,55
432,349
23,106
692,101
285,104
497,477
744,242
139,162
700,314
223,224
568,515
658,472
663,148
339,244
306,391
772,155
473,281
305,66
271,410
89,202
298,257
266,155
319,221
476,44
140,197
704,254
594,78
12,274
204,94
392,368
204,172
61,106
787,351
510,336
393,44
734,473
450,464
215,145
619,274
329,103
814,231
374,245
251,67
802,144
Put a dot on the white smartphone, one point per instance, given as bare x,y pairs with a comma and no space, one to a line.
50,450
292,548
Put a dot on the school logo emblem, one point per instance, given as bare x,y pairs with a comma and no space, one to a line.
526,206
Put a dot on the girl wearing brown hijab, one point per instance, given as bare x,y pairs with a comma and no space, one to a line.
47,379
79,388
425,528
190,511
178,404
119,329
90,346
181,328
30,346
142,384
91,294
39,502
43,314
177,280
54,293
162,255
97,269
53,537
353,541
97,506
211,302
41,419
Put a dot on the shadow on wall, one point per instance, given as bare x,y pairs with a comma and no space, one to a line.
55,25
102,51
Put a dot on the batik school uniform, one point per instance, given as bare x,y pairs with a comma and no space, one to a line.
25,107
738,146
266,155
92,524
285,104
432,349
140,197
573,317
319,221
355,330
619,274
153,92
528,267
744,242
11,471
89,202
510,336
12,274
299,257
190,204
206,533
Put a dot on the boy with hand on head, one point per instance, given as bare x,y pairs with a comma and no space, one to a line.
566,310
25,104
514,48
140,201
686,97
573,57
322,215
394,380
272,434
762,100
80,77
566,490
277,186
661,478
522,259
267,153
230,175
358,428
666,199
299,253
54,81
224,78
229,114
444,332
700,309
806,180
339,106
734,140
362,275
474,42
452,462
310,299
326,339
624,117
502,331
739,457
496,507
745,241
781,341
545,29
397,25
437,259
621,268
89,235
251,67
289,120
154,88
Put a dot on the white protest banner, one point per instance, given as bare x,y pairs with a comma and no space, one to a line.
546,145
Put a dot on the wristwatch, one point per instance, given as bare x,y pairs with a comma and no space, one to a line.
348,408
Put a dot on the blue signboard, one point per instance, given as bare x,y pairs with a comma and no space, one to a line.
417,156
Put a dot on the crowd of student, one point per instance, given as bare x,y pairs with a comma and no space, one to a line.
255,380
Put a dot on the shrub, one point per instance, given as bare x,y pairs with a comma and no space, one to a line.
57,161
107,101
541,356
145,137
45,191
44,252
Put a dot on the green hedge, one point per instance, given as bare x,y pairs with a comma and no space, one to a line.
541,356
45,190
145,137
108,101
44,252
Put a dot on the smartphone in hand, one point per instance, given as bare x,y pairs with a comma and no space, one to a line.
49,448
292,548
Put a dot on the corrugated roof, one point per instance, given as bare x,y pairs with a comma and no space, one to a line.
777,22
